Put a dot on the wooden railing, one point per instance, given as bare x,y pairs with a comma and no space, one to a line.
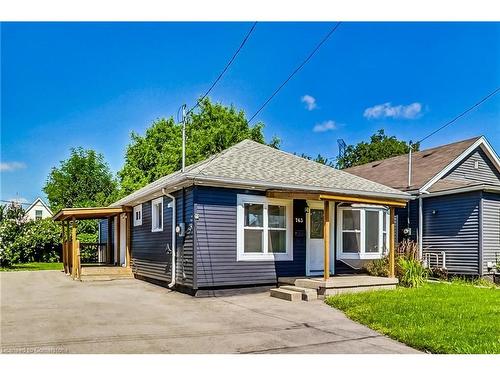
94,252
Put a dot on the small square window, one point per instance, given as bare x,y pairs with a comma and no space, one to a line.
138,215
38,214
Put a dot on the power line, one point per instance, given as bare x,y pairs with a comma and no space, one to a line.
462,114
14,201
225,68
296,70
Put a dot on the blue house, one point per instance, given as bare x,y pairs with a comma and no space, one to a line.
249,215
455,211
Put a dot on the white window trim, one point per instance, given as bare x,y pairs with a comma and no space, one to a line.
154,202
363,254
240,223
137,222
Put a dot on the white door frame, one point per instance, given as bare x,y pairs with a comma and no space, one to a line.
320,205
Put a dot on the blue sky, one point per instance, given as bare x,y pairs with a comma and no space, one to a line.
90,84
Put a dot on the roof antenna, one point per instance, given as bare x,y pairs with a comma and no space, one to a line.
410,144
342,147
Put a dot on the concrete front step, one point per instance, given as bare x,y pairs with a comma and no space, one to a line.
105,277
307,293
357,289
287,295
106,271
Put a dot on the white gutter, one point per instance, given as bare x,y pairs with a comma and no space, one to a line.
172,283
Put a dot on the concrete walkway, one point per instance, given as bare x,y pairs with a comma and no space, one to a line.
47,312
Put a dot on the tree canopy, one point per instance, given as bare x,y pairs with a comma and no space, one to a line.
83,180
381,146
212,129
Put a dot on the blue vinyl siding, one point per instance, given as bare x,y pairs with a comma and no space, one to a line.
465,171
453,228
151,255
216,243
490,229
402,217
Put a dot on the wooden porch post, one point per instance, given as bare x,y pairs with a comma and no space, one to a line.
391,244
74,250
118,238
326,234
63,246
128,254
108,246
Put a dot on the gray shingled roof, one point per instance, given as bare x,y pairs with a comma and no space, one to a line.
258,166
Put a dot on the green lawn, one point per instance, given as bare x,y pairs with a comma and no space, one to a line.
35,266
438,317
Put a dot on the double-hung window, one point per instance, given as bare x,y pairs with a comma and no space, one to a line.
157,215
362,231
264,228
38,214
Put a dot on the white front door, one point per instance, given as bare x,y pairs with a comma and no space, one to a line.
315,239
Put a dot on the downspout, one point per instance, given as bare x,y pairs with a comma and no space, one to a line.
420,227
174,248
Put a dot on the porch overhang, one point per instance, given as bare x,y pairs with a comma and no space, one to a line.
336,197
326,198
87,213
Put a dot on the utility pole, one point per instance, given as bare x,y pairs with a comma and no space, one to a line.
183,137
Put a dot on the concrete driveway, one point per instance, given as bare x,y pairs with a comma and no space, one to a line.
47,312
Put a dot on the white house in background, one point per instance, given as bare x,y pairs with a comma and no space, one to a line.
38,210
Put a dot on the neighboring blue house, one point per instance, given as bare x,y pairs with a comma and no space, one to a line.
455,214
251,214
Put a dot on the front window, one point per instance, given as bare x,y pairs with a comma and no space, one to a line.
264,228
362,231
157,215
38,214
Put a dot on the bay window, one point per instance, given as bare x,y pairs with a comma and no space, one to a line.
264,228
362,231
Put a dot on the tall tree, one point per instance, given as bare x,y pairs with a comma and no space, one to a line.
212,129
83,180
381,146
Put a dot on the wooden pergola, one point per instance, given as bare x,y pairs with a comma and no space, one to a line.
327,198
71,246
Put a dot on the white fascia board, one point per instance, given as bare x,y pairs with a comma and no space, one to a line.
480,142
489,188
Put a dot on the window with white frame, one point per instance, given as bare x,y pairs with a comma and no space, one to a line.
157,215
38,214
138,215
362,231
264,228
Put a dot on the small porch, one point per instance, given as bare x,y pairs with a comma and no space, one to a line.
102,261
339,284
341,229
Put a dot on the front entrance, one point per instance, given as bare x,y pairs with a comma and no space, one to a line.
315,244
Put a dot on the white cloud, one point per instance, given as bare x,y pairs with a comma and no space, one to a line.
11,166
385,110
310,102
325,126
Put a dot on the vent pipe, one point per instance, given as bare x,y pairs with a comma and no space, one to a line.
409,165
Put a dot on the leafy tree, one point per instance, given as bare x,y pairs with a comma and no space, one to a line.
381,146
212,129
318,159
83,180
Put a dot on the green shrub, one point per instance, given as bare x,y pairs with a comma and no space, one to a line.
411,272
31,241
378,267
